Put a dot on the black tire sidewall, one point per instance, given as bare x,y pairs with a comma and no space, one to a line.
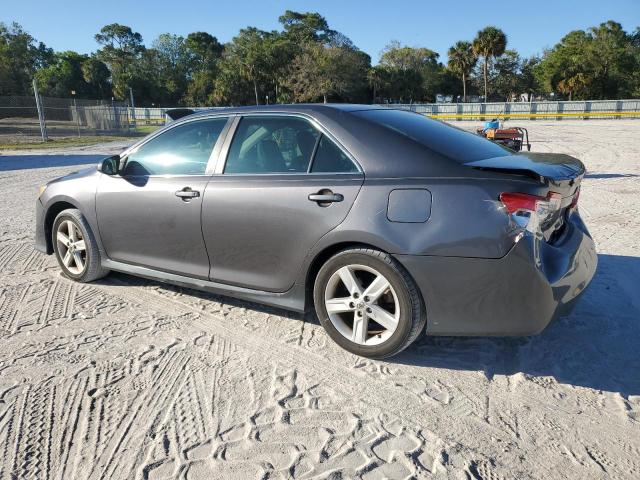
399,338
64,216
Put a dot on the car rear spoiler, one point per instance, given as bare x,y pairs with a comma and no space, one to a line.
561,170
176,113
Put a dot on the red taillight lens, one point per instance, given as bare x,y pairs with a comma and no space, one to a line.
515,202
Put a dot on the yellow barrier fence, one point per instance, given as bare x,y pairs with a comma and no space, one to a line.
463,116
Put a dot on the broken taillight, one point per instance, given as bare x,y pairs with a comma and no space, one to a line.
531,211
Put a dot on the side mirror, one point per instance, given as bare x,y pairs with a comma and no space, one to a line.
110,165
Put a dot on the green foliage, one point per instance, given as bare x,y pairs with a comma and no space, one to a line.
601,62
205,52
96,74
248,60
490,42
20,57
323,73
528,81
308,61
173,64
505,77
72,72
462,60
317,63
306,27
405,74
204,49
121,49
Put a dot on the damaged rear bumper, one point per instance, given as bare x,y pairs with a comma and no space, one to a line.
519,294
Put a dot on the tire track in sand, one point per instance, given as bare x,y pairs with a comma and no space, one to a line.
478,434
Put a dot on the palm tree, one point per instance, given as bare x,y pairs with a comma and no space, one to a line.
462,59
490,42
572,84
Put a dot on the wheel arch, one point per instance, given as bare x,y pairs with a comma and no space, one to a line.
50,215
321,257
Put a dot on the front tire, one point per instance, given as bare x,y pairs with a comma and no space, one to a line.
368,303
75,247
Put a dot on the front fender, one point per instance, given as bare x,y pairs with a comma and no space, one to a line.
77,190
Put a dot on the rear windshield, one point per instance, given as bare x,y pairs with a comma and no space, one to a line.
451,142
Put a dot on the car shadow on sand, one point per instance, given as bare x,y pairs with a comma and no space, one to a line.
597,346
610,175
27,162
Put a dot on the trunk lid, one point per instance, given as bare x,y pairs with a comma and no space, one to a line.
558,170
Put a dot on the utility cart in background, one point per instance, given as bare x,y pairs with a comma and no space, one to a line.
513,137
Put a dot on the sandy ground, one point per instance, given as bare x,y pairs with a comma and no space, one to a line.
125,378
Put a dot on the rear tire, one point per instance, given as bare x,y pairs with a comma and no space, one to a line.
75,247
368,303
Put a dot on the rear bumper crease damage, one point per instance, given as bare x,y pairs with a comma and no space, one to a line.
518,294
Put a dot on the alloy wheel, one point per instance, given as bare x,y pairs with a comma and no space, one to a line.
71,247
362,305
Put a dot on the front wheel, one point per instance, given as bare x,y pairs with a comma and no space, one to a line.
368,303
76,248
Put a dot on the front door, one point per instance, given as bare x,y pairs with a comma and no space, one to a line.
149,215
284,185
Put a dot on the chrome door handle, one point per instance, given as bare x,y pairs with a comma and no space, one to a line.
187,194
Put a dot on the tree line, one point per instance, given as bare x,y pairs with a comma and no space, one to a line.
307,61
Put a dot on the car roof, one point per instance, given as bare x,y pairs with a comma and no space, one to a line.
289,108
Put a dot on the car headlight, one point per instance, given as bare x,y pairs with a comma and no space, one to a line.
41,190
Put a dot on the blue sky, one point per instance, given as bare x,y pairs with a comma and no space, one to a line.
530,26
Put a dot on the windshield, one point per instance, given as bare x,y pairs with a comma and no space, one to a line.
451,142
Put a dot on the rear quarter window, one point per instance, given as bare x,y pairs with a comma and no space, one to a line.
451,142
330,159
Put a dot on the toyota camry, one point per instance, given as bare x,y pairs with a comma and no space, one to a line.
386,223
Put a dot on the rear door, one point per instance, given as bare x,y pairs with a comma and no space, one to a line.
283,184
149,215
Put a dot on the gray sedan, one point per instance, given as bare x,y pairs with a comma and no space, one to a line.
382,220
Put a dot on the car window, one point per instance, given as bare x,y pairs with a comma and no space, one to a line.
272,144
182,150
329,158
444,139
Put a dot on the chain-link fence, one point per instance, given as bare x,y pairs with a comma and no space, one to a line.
20,121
